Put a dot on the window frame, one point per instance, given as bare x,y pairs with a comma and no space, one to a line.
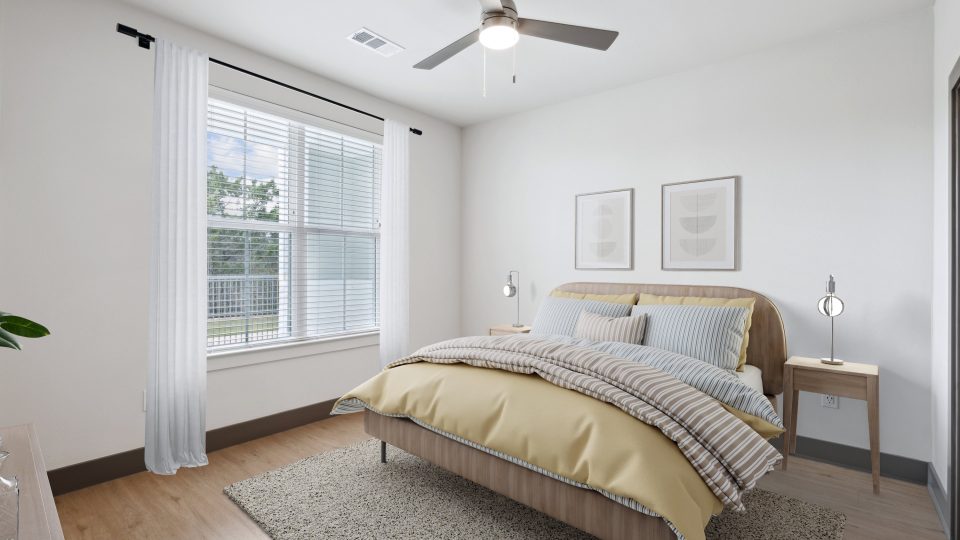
293,346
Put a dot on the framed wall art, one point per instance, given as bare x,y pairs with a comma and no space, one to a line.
604,230
699,229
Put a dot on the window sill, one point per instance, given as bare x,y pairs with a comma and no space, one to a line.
221,360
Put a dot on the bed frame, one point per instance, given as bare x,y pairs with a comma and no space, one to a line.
582,508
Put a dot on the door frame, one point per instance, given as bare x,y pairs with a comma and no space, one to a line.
954,367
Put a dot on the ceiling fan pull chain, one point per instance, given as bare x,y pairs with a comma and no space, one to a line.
515,47
484,71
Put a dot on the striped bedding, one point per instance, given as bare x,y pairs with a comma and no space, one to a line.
720,384
727,454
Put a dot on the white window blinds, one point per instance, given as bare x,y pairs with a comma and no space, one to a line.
293,230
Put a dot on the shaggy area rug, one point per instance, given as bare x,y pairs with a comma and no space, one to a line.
348,493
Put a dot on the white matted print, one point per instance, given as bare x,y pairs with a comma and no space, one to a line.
700,225
604,231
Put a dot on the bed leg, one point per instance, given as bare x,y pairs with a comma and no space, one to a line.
383,451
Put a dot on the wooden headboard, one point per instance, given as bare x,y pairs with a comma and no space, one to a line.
768,343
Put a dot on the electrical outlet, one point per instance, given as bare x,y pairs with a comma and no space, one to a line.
829,401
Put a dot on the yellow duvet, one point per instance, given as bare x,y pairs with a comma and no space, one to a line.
567,433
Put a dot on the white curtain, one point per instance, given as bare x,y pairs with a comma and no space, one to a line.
177,371
395,243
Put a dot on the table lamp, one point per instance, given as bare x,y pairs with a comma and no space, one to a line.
510,290
831,305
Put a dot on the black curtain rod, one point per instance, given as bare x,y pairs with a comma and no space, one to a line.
144,40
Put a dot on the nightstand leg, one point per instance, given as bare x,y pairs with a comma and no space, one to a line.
873,419
793,420
788,408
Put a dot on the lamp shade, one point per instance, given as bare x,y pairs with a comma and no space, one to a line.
510,290
830,305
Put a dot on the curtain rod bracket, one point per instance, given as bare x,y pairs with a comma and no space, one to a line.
144,40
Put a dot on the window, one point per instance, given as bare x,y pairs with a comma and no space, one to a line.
293,230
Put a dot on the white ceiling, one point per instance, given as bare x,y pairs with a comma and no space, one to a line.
656,37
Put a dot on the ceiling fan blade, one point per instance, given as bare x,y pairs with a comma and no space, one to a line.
449,51
568,33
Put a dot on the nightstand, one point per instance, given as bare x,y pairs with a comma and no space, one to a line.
507,329
857,381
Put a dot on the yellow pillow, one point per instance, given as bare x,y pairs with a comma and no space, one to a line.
645,299
628,299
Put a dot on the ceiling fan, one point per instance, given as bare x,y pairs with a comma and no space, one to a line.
500,28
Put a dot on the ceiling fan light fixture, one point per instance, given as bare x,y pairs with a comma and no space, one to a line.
499,33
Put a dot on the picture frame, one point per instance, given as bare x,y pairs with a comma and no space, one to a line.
603,232
700,224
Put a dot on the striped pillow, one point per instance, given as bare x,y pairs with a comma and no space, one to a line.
713,334
558,316
644,298
600,328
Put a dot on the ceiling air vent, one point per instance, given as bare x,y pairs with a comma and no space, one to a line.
376,42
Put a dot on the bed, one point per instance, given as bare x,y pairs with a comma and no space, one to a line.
571,497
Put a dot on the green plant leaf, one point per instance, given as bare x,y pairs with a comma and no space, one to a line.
8,341
22,327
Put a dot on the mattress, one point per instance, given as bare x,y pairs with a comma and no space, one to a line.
751,377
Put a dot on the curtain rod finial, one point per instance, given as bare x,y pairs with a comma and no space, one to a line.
126,30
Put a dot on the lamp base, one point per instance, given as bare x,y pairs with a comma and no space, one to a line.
517,325
832,361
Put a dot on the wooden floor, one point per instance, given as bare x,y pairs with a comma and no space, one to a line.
902,510
191,504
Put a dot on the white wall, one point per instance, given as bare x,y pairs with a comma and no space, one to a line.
946,51
831,136
75,220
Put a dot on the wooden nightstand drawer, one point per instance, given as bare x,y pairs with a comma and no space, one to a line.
506,330
830,383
